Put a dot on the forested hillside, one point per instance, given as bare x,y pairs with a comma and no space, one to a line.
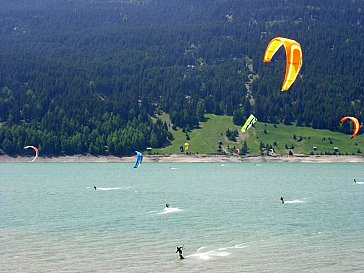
86,76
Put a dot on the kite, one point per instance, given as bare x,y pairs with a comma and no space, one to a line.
355,123
249,122
186,146
35,150
293,55
139,159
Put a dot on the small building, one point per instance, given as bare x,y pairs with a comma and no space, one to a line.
336,149
149,149
314,148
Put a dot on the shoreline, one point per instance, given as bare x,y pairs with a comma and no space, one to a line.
186,159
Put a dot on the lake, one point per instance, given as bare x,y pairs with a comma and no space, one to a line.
228,217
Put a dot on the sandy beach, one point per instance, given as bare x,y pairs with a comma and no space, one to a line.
187,159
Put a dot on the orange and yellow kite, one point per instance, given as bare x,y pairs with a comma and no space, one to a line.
293,55
355,123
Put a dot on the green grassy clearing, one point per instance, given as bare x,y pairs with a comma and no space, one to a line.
306,140
205,140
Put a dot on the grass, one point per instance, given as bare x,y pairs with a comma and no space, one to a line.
205,139
306,139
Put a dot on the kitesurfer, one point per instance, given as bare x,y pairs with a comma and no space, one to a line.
167,205
179,250
282,200
95,188
354,180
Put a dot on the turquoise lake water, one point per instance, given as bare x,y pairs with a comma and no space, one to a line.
228,217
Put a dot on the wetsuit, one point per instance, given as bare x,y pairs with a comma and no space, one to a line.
282,200
179,250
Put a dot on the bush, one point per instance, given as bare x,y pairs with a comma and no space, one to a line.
232,134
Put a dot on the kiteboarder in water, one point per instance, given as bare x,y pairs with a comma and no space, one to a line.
95,188
179,250
167,205
282,200
354,180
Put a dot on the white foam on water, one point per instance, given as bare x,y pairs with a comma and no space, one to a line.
152,211
208,255
172,168
359,183
170,210
242,245
202,247
211,254
108,189
219,253
297,201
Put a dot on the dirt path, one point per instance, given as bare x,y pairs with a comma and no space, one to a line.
251,78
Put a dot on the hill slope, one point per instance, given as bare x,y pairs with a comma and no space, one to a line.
87,76
282,138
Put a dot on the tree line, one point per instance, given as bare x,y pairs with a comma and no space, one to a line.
91,76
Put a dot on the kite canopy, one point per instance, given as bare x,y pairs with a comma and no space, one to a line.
186,146
355,122
139,159
35,150
249,122
293,56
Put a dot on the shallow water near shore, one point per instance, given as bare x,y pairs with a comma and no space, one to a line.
228,217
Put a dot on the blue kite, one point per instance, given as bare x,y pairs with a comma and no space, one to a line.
139,159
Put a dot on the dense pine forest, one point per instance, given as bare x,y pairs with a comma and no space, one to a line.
91,76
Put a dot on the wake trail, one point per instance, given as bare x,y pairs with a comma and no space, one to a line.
297,201
109,188
170,210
